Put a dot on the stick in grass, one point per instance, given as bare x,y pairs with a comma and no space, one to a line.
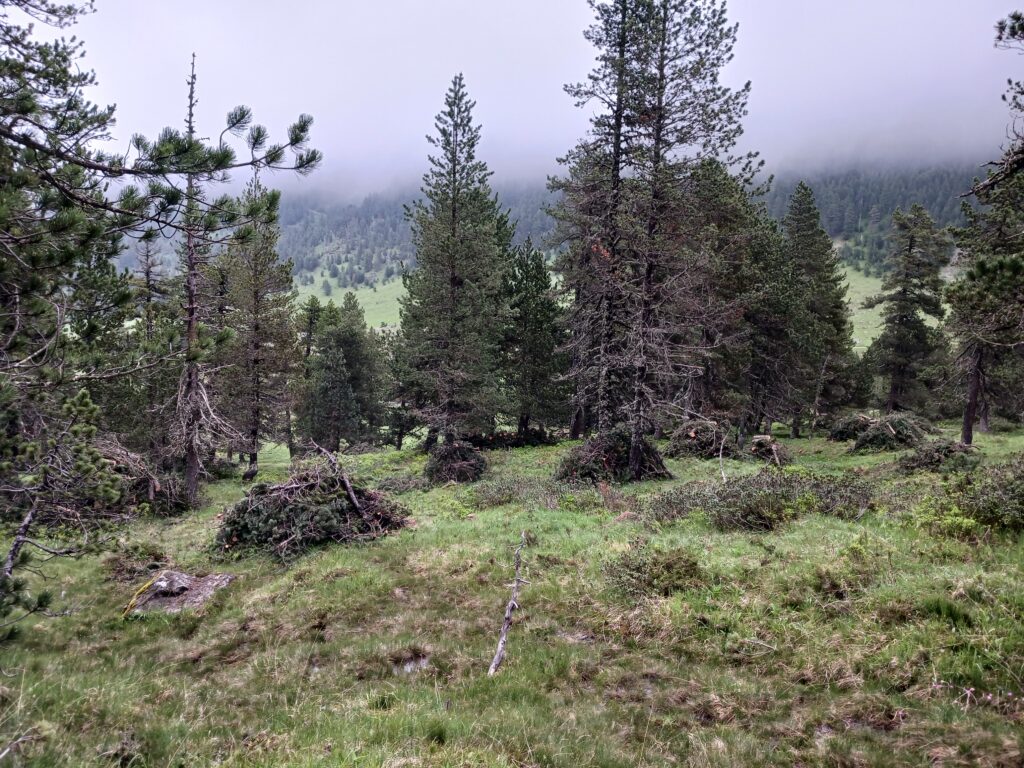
513,603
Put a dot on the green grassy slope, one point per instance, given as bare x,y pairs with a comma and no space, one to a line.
817,644
867,323
381,304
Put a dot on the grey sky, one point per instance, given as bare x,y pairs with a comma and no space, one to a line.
834,81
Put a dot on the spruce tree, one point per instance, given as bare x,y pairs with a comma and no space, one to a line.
455,309
911,292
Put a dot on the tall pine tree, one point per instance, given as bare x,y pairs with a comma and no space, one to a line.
911,292
455,308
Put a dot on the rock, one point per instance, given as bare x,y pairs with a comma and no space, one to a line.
173,591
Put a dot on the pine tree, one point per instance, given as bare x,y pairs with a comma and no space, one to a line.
454,311
912,291
533,363
828,340
262,353
198,427
588,219
343,397
987,299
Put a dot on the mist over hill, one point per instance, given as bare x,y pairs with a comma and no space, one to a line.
351,245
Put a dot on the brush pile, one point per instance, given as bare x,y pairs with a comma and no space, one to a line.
455,462
605,458
700,439
316,506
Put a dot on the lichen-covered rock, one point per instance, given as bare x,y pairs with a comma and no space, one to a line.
174,591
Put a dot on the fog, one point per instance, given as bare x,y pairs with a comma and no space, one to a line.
834,83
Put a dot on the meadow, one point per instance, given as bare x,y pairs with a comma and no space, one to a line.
865,641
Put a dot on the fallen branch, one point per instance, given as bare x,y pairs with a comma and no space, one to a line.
513,603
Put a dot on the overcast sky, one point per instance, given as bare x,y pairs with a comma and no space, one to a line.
834,81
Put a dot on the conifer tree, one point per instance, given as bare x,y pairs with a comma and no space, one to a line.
533,362
987,299
912,291
262,353
828,341
455,309
588,218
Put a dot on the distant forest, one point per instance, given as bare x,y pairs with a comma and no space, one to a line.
857,205
350,245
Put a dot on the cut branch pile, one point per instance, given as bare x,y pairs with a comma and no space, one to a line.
701,439
317,505
455,462
605,457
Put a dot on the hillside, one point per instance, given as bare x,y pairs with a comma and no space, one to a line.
829,641
355,246
359,245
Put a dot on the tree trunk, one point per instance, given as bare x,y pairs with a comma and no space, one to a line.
973,392
577,424
524,424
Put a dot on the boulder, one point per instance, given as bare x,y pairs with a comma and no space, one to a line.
174,591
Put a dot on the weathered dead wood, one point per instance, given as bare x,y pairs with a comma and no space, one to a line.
510,608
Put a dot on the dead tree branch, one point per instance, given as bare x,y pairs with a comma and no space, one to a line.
513,604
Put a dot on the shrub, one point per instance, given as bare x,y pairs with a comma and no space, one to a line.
531,438
402,483
642,571
605,457
455,462
221,469
312,508
763,501
993,496
700,439
496,492
941,456
892,433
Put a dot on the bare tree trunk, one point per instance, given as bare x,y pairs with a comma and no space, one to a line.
19,540
973,392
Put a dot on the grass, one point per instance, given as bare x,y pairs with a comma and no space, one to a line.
376,654
867,323
379,303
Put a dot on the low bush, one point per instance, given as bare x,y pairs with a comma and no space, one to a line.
455,462
503,440
315,506
496,492
402,483
605,457
643,571
763,501
993,495
941,456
